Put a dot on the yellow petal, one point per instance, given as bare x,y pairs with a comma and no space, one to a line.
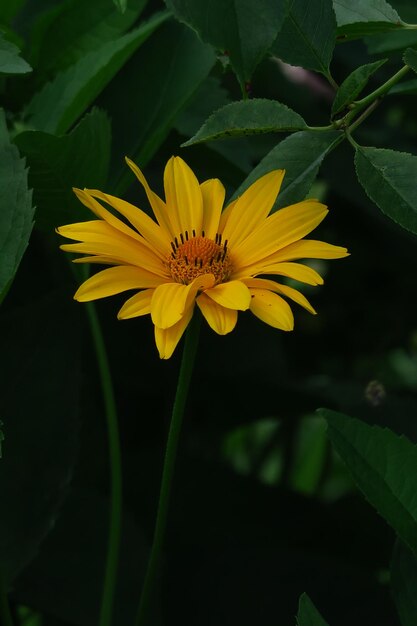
100,238
279,230
285,290
170,300
139,304
213,193
86,197
103,260
252,208
296,271
271,309
183,197
157,204
115,280
152,232
232,295
225,215
308,249
221,320
167,339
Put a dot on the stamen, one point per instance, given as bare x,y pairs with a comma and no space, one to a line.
203,234
193,232
196,256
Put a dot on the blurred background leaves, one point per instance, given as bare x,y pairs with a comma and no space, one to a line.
264,507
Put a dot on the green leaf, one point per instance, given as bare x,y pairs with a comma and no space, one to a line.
391,42
410,58
353,85
356,18
408,87
58,105
300,155
248,117
244,30
308,615
384,467
39,405
404,583
10,61
9,9
389,179
16,211
174,53
57,164
211,96
309,455
72,29
308,35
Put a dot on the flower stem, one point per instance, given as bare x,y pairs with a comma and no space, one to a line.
184,378
5,615
115,520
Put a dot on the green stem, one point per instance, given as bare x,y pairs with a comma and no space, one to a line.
359,105
364,115
184,378
5,615
115,520
321,128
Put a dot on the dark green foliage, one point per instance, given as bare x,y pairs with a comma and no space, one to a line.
16,216
269,509
308,35
388,178
57,164
247,118
308,614
240,29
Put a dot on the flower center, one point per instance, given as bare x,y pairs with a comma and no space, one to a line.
192,257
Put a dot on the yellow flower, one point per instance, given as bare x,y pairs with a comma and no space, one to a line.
196,253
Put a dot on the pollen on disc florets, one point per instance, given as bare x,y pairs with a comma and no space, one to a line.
197,255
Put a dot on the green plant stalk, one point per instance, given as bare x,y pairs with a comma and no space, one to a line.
184,378
115,520
360,105
5,615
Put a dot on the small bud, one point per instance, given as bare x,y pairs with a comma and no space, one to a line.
375,393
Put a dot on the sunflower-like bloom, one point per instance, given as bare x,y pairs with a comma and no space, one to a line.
197,253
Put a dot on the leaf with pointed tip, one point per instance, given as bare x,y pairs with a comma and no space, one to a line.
300,155
308,35
61,102
308,615
10,61
57,164
16,211
389,179
243,29
72,29
176,53
248,117
353,85
356,18
383,465
410,58
404,583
